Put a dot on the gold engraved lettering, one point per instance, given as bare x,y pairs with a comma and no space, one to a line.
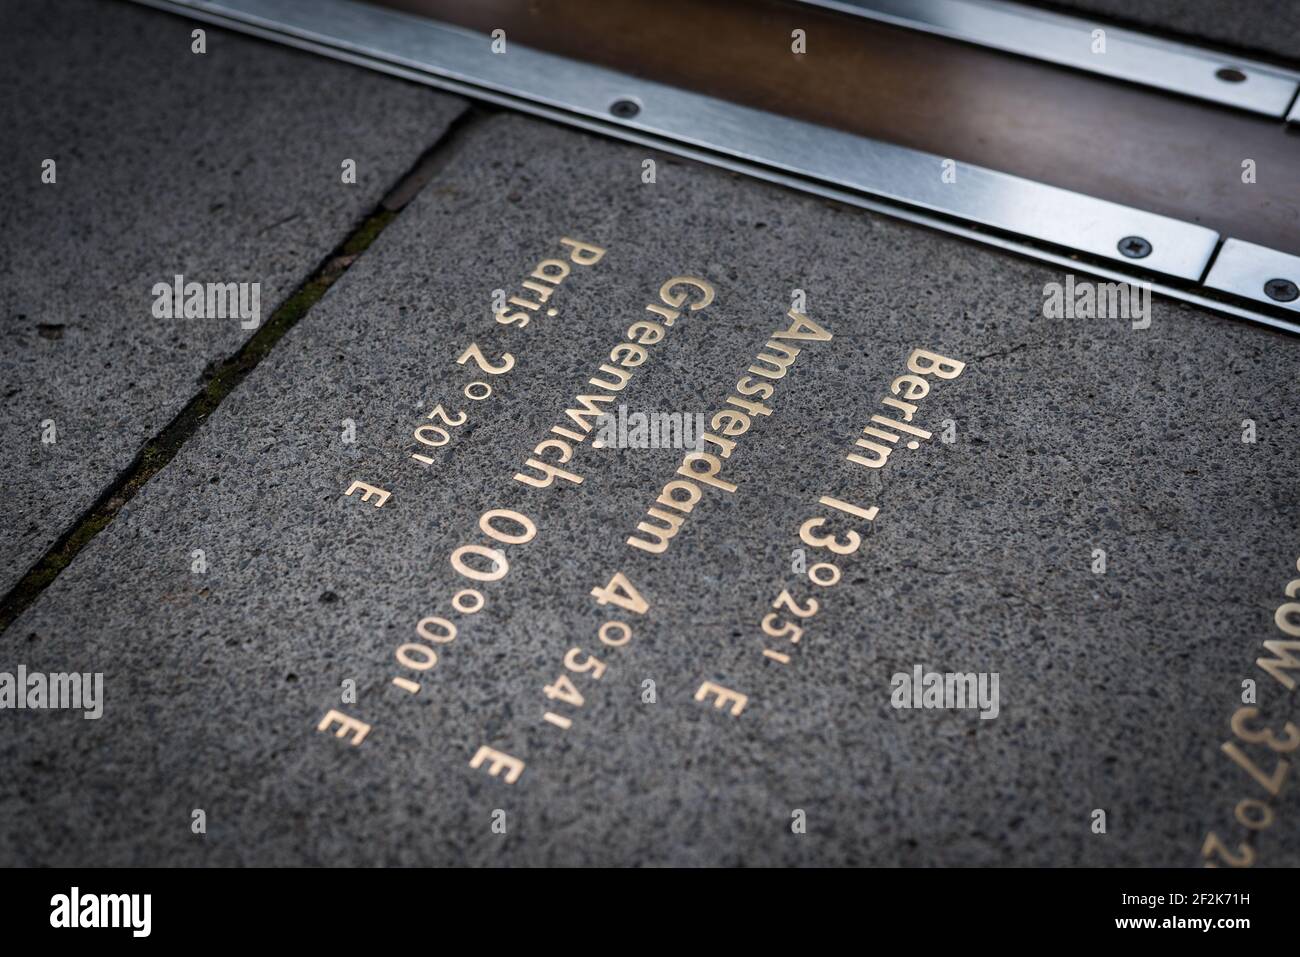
725,696
1272,783
549,474
607,630
733,422
474,352
448,630
468,601
420,435
803,328
748,385
923,362
499,566
566,450
670,294
669,316
646,332
620,591
500,761
614,379
906,408
864,513
910,387
568,434
787,630
551,270
1245,856
370,490
622,377
1284,659
725,446
661,536
1265,736
1253,814
625,352
588,663
753,408
824,574
879,457
564,690
847,547
588,404
780,364
520,319
582,254
786,600
1282,618
709,475
416,657
358,729
703,468
510,515
544,293
693,495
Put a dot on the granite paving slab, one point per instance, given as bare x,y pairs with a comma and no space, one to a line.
1085,520
221,167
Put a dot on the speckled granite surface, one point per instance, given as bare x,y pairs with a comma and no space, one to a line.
1070,436
222,167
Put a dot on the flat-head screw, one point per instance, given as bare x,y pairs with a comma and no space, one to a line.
1135,247
1281,290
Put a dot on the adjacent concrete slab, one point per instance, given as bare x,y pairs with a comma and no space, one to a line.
1069,436
221,167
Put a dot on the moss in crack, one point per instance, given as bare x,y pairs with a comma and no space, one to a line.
161,449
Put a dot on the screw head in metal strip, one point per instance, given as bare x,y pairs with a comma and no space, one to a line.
1281,290
1135,247
625,109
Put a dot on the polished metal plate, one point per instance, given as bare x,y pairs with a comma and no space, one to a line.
1027,217
1256,272
970,193
1074,42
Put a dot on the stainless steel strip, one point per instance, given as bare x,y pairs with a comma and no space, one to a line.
1070,41
974,194
602,127
1257,272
